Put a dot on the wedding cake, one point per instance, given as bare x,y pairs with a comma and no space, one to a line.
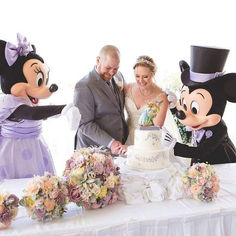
147,152
150,173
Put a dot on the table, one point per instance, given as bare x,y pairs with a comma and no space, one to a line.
167,218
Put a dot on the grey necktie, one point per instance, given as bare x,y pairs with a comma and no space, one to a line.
109,83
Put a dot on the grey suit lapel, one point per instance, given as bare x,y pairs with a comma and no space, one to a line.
101,84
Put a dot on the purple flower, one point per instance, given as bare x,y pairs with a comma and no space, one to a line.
13,200
40,212
208,192
74,194
61,199
6,216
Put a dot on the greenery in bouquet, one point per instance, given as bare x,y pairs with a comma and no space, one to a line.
45,197
186,136
92,177
146,118
8,209
201,182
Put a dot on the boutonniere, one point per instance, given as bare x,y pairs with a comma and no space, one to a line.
119,82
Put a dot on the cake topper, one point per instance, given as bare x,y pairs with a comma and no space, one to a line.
146,118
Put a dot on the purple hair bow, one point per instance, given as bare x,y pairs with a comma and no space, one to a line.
12,52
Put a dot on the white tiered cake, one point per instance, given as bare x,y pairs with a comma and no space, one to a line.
147,152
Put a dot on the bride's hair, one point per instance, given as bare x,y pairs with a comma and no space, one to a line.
147,62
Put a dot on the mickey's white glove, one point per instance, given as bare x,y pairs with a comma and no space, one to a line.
172,98
72,115
167,139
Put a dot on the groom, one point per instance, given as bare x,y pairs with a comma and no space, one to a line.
101,104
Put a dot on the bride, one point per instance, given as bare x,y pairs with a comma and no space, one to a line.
145,90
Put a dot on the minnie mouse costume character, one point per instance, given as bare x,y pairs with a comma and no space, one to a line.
24,79
201,107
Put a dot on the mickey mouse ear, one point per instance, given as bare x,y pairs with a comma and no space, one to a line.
229,85
183,65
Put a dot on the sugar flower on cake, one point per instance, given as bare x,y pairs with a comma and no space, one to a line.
201,182
93,179
146,118
45,197
8,209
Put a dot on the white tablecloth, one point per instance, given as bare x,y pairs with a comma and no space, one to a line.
167,218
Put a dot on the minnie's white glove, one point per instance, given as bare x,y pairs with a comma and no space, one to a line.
72,115
172,98
167,139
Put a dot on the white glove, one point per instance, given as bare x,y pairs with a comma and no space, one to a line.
167,139
72,115
172,98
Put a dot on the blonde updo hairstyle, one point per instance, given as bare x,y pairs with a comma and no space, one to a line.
148,62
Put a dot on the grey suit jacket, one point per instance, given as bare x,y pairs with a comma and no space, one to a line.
102,112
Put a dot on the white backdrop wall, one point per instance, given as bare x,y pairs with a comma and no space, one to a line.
68,35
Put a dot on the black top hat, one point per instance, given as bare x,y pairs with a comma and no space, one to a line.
207,63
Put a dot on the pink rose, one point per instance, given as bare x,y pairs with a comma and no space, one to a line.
70,164
114,198
74,194
54,193
6,216
109,162
201,181
61,199
96,205
107,199
98,167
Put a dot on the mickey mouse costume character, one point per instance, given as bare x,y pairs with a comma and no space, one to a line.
24,78
201,107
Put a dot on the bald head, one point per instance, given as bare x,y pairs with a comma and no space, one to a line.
109,51
108,62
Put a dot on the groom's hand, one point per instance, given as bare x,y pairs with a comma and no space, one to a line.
115,147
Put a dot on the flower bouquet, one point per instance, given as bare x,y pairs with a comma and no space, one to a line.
92,177
146,118
201,182
8,209
45,197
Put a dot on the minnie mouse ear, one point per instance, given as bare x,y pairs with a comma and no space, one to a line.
3,62
229,85
34,48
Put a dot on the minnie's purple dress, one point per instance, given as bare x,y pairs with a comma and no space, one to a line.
23,151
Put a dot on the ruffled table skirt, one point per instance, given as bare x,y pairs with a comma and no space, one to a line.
150,186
